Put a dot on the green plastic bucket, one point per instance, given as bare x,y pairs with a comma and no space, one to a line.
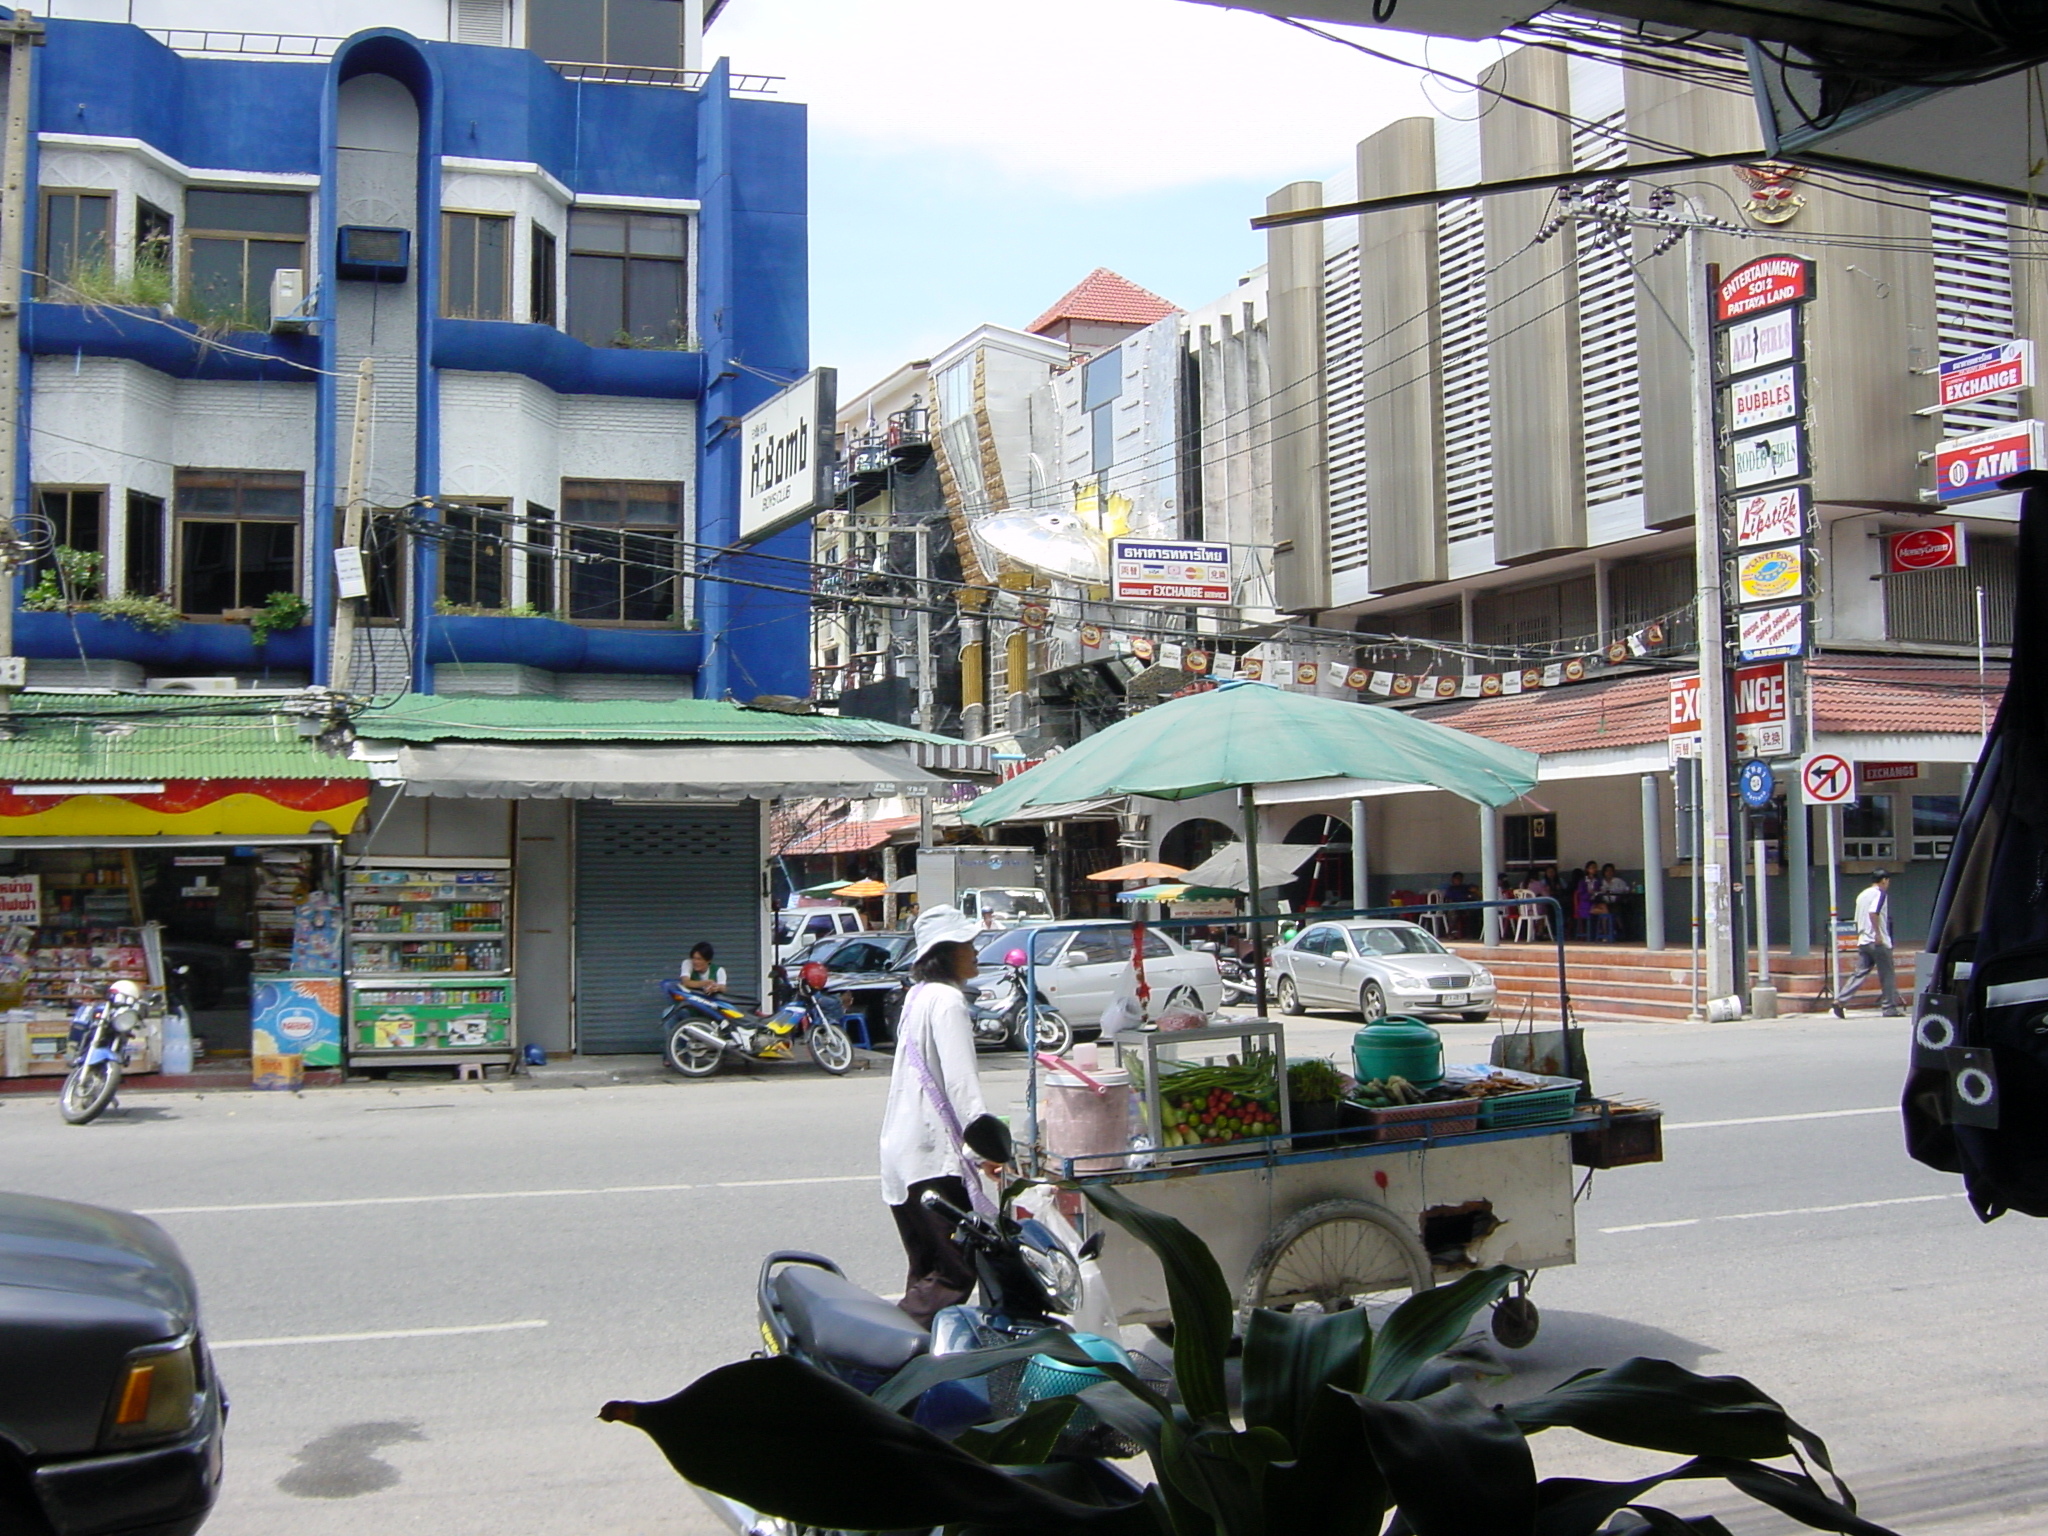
1398,1047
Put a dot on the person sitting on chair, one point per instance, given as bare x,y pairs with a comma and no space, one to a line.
699,972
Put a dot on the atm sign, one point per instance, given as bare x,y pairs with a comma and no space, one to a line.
1973,466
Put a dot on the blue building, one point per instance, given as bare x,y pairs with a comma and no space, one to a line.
570,279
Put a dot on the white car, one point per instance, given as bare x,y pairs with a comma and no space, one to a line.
1080,966
1378,967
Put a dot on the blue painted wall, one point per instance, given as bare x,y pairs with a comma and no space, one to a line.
744,160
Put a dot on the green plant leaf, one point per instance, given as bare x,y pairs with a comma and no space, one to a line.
1455,1466
1024,1441
1663,1407
1799,1496
1428,1323
1196,1292
928,1371
863,1468
1292,1361
1577,1506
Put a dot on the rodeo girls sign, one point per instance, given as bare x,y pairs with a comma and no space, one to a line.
786,456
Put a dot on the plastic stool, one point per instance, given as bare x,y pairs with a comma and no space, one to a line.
469,1071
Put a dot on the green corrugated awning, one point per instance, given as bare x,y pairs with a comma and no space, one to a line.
416,717
67,738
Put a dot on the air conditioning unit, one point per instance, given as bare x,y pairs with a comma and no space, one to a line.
193,685
289,310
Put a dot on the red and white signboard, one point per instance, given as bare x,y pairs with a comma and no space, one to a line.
1771,517
1826,778
1763,398
1925,549
1995,370
21,899
1888,773
1769,282
1763,713
1761,633
1973,465
1149,571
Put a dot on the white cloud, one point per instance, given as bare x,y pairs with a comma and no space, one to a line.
1094,97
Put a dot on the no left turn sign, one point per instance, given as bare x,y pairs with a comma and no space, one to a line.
1827,778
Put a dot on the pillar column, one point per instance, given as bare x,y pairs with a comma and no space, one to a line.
1798,876
1361,864
1653,866
1489,871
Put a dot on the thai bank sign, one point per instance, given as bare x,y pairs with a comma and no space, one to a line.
1763,713
1972,466
1154,571
1992,371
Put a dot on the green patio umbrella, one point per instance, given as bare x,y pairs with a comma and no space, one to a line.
1245,734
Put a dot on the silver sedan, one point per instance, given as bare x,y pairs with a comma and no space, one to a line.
1378,966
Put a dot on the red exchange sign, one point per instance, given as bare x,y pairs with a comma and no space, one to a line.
1766,283
1924,549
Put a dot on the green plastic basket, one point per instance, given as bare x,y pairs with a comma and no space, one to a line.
1539,1106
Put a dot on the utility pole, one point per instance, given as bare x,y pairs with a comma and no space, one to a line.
927,691
351,543
1717,851
23,34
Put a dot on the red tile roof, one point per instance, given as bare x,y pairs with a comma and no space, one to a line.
848,836
1104,296
1860,696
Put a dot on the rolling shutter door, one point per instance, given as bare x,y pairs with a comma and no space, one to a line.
651,880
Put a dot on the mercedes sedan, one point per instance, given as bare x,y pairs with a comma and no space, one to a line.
1378,967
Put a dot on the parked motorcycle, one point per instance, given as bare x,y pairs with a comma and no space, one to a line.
703,1029
1001,1016
101,1045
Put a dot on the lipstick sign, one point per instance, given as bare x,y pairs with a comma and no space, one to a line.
1763,713
1925,549
1766,632
1995,370
1769,282
1148,572
1770,517
1973,465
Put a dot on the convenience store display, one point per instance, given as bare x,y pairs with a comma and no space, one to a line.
284,879
430,974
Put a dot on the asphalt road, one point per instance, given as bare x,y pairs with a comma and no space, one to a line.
421,1294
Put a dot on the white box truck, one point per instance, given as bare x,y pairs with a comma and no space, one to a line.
996,887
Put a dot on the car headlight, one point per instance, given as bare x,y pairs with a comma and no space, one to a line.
157,1394
1482,978
1411,984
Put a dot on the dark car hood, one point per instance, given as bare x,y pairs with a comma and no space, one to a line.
88,1251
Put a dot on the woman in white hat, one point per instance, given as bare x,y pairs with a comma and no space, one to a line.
937,1133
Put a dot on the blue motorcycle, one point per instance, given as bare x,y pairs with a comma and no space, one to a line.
703,1029
101,1044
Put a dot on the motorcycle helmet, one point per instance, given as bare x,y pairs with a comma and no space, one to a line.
129,992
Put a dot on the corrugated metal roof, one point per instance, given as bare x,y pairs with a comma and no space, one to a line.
439,717
103,738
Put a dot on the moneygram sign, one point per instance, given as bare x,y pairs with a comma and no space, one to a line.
1763,713
1972,466
1924,549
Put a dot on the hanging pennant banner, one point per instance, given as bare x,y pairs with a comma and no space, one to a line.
1404,684
1034,615
1425,686
1653,636
1532,679
1638,645
1511,682
1251,669
1357,678
1468,686
1617,653
1170,654
1142,647
1091,636
1305,673
1489,685
1382,684
1554,674
1224,665
1575,670
1447,687
1196,662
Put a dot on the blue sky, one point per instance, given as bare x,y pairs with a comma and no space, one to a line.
973,159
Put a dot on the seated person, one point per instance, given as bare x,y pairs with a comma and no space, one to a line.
700,974
1460,889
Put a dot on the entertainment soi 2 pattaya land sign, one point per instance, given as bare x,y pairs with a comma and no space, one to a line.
1766,498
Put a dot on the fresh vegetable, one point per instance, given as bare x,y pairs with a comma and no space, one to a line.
1315,1081
1207,1106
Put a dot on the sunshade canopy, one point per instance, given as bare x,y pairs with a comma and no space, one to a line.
1225,868
1144,869
1251,733
862,888
573,771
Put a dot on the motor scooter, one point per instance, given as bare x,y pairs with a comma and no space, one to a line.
101,1046
702,1029
1001,1016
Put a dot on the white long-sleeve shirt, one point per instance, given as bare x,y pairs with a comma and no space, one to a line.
915,1142
1873,917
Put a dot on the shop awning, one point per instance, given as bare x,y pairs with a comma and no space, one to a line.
1226,869
1069,810
568,771
847,836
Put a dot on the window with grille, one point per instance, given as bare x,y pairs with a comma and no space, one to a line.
1973,306
1641,590
1344,391
628,534
1468,429
1940,607
1610,393
1535,616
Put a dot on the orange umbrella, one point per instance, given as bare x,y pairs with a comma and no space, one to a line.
1144,869
863,888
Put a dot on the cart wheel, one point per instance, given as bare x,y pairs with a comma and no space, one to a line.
1336,1255
1515,1321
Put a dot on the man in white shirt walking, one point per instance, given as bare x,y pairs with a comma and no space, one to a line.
1874,947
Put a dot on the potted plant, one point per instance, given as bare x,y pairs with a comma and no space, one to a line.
1313,1088
280,611
1340,1425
